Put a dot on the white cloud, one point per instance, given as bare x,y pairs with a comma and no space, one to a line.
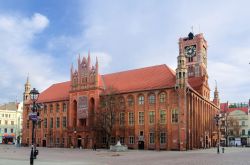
18,57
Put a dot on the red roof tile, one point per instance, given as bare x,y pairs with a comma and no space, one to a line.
224,107
159,76
195,82
55,92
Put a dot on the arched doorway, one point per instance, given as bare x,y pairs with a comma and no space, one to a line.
141,145
74,113
79,141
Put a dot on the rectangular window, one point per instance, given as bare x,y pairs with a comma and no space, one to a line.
11,130
174,116
51,108
0,122
152,99
6,122
162,137
122,118
131,139
151,117
122,140
64,122
141,118
12,122
131,118
130,101
151,138
141,100
5,130
45,123
64,107
162,97
57,122
63,140
112,140
163,117
57,107
51,122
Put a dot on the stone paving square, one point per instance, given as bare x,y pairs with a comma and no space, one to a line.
12,155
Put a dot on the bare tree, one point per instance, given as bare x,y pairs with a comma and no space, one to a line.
233,126
106,116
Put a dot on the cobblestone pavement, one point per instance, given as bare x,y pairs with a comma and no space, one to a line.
12,155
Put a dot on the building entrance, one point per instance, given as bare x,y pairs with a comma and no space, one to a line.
44,143
141,145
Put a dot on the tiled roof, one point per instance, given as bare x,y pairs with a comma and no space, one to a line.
244,109
9,106
225,108
195,82
159,76
55,92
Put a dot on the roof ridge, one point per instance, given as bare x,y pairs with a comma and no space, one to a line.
134,69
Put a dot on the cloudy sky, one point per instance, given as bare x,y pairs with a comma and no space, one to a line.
43,38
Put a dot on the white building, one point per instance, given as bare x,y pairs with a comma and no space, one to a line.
11,122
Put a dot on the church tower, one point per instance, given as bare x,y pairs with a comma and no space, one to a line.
194,48
26,94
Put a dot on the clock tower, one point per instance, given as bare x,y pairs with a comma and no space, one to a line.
194,47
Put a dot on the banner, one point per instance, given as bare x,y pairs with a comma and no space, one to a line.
82,107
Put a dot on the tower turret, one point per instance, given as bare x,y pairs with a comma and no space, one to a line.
26,94
216,99
181,71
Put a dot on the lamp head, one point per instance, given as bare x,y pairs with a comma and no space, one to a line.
34,95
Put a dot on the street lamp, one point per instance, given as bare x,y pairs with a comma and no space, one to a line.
33,116
217,118
75,138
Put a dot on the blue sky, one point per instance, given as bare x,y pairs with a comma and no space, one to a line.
43,38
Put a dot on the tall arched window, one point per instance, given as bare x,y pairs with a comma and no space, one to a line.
130,101
151,99
174,116
141,100
162,97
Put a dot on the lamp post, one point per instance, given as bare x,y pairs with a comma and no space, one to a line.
75,138
217,118
33,117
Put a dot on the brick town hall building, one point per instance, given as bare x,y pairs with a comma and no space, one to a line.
159,108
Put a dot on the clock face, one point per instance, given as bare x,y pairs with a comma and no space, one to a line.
190,51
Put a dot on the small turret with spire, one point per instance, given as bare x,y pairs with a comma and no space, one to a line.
216,99
27,88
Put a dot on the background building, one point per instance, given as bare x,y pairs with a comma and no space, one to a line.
147,108
10,122
237,126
